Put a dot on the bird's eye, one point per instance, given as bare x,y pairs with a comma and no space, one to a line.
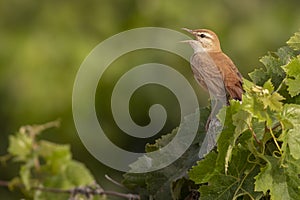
202,35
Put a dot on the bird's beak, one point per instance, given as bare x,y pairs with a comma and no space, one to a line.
188,30
186,41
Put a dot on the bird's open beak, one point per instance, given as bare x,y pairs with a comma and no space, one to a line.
186,41
188,30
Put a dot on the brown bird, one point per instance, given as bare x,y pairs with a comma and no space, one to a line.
215,72
213,69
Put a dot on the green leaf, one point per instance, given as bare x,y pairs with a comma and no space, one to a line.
276,179
291,134
78,174
292,70
293,85
259,76
261,103
25,175
56,156
273,70
273,65
20,146
182,188
237,182
273,101
258,128
204,170
161,142
228,136
242,121
60,171
294,41
269,86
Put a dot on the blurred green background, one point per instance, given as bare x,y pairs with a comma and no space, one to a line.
42,44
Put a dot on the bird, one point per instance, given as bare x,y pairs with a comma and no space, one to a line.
209,62
216,73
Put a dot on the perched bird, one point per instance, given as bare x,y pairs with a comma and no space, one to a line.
209,62
215,72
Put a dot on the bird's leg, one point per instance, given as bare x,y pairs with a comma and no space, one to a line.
212,114
208,122
216,106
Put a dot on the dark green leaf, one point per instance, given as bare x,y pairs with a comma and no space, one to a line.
204,170
237,182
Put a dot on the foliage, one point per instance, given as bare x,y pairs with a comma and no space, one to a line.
43,44
258,151
158,184
45,165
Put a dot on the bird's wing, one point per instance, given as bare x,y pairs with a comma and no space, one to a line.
232,77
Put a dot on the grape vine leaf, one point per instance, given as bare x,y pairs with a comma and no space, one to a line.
158,184
20,146
291,134
237,182
204,170
294,41
277,180
270,98
272,64
292,70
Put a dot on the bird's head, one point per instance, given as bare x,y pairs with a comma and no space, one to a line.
207,38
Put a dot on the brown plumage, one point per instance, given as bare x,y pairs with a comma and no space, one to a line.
213,69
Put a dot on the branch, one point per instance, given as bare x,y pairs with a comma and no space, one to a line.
113,181
87,191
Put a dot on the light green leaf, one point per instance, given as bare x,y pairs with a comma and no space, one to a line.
228,136
78,174
293,86
25,175
291,132
269,86
292,68
20,146
242,121
294,41
293,72
273,101
275,178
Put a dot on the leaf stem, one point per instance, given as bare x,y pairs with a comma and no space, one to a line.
243,180
275,140
281,84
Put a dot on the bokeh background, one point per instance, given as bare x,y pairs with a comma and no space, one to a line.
42,44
